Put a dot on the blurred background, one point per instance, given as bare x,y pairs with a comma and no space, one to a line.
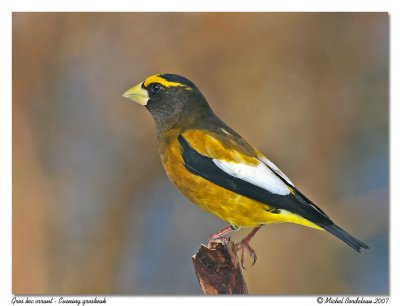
93,211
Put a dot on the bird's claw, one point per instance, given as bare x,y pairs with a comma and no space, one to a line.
212,242
243,246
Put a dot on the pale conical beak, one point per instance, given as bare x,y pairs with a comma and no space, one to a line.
137,94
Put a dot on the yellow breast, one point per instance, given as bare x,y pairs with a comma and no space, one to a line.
225,204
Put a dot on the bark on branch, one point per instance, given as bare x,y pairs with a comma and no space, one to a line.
218,269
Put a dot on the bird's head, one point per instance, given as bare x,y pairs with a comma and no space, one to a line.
170,98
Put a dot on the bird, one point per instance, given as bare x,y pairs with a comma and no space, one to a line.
218,170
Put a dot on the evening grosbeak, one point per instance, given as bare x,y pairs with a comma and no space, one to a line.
216,169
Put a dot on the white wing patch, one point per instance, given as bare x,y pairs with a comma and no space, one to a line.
259,175
276,169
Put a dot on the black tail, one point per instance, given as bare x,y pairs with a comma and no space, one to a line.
344,236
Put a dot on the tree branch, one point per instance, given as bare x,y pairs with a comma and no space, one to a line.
218,270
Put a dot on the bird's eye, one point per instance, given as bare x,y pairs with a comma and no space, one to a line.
155,88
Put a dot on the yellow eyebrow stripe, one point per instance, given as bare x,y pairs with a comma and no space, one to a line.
158,79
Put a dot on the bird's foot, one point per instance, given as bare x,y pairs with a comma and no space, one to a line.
219,237
245,246
213,243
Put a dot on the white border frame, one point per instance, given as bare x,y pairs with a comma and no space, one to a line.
9,6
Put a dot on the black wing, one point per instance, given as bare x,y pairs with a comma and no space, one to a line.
296,203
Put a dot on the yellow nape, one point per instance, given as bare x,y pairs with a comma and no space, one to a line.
157,78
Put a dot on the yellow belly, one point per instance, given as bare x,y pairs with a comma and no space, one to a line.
225,204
